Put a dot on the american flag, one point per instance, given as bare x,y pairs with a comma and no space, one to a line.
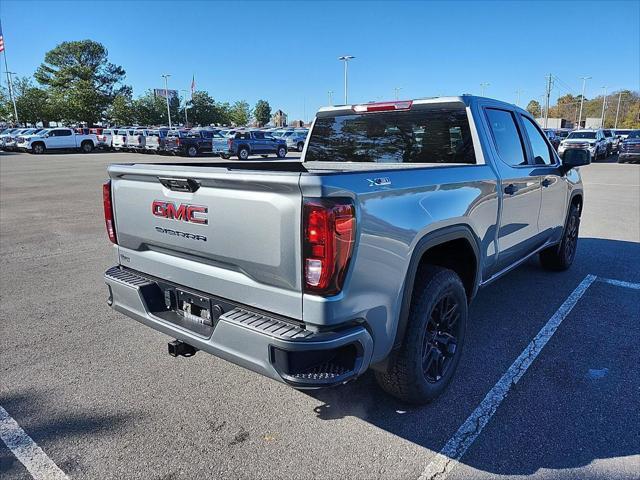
1,40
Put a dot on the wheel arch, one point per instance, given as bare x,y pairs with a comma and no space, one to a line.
452,247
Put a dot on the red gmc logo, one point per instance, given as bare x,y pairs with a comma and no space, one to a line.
184,211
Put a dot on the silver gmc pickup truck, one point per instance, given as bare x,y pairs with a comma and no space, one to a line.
366,254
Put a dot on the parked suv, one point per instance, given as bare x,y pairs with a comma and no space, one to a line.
364,255
593,141
295,139
254,142
630,148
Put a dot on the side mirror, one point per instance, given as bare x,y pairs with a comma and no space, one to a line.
46,135
575,157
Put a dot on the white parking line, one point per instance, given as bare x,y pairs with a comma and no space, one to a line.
447,459
620,283
40,466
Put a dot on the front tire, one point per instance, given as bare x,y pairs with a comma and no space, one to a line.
282,152
38,148
424,365
300,146
560,257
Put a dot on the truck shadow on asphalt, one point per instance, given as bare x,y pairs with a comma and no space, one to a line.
570,429
33,413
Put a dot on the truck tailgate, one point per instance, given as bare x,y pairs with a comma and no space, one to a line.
240,241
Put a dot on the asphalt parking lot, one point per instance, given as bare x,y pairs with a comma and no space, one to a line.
99,395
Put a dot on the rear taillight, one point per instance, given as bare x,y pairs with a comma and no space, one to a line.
178,141
329,233
383,106
229,142
108,211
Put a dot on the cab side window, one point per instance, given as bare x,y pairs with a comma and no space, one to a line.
506,137
541,153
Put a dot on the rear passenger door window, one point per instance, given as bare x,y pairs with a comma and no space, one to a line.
506,137
539,147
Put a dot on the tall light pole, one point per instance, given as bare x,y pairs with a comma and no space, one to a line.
397,90
518,92
615,125
345,59
186,117
604,105
330,93
13,98
584,83
483,86
166,95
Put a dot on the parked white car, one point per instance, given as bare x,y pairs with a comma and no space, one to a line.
60,139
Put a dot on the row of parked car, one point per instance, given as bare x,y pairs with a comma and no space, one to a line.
600,142
225,142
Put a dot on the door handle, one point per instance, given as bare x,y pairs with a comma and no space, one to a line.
510,189
546,182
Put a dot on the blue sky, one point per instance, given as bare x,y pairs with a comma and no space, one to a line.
286,52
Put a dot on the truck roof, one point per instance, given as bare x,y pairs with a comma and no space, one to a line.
468,100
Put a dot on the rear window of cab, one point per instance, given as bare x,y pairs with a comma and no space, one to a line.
424,134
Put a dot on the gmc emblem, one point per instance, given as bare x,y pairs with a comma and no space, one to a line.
184,211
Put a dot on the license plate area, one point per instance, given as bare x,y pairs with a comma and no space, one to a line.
194,307
194,311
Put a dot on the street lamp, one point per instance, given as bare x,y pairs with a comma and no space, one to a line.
584,82
345,59
397,90
483,86
518,92
604,105
166,95
330,93
13,98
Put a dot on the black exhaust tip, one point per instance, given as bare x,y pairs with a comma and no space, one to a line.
181,349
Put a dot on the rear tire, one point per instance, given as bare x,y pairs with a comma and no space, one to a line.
86,147
243,153
192,151
560,257
421,369
282,152
300,146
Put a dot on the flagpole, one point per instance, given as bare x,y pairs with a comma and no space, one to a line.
9,83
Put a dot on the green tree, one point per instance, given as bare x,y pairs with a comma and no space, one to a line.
6,108
121,111
262,113
150,109
533,107
240,113
205,111
81,81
